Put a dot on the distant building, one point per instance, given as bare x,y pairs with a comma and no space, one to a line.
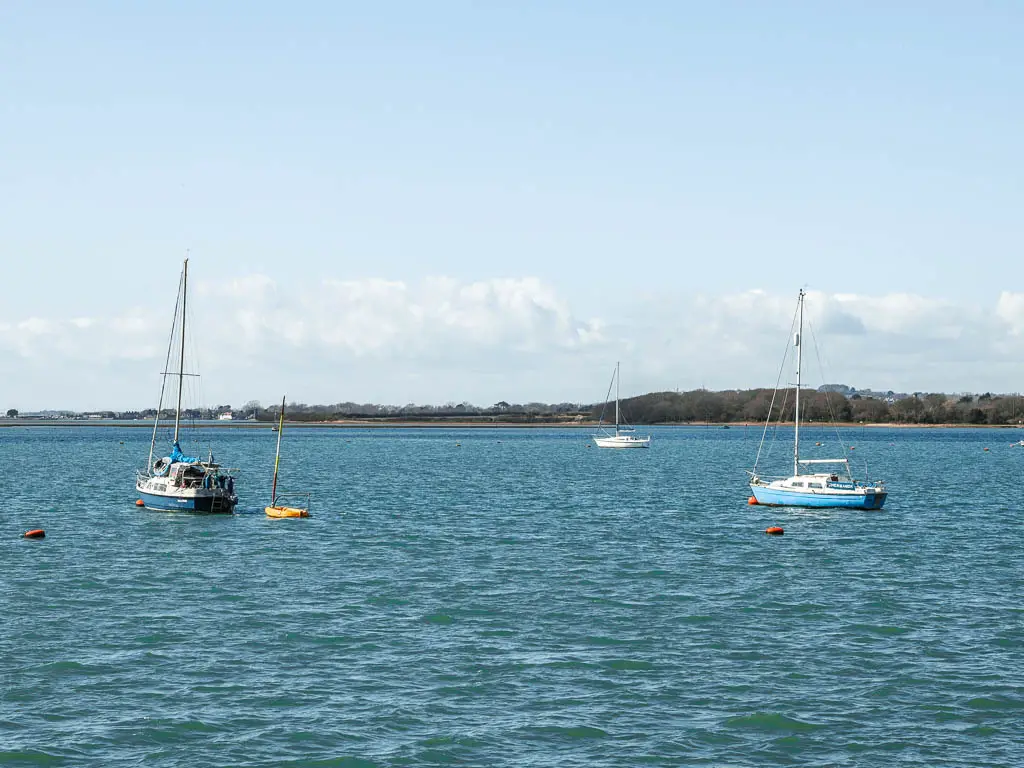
226,416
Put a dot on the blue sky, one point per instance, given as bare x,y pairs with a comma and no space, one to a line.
552,186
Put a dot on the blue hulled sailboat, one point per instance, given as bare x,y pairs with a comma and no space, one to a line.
835,488
176,482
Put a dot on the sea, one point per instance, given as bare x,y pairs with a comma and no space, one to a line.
512,597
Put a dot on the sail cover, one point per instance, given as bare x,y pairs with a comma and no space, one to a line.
178,457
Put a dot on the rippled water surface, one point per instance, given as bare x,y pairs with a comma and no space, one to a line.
511,597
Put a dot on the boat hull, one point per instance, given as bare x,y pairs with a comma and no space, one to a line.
781,497
282,512
620,442
213,501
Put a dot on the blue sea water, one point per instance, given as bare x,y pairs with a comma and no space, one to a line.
511,598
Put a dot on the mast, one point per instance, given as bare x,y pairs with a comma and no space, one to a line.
181,361
799,360
163,379
277,455
616,398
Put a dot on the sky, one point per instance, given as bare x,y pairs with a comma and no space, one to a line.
453,201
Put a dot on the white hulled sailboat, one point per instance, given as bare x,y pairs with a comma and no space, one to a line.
623,436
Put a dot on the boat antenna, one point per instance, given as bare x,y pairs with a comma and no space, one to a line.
181,360
277,455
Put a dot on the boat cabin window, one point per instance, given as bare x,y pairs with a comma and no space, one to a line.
814,485
798,484
193,477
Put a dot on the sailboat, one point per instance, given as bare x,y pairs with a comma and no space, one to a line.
622,437
834,488
275,509
177,482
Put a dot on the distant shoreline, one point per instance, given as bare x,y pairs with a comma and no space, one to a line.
380,424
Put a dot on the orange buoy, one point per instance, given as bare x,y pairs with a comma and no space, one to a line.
140,503
35,533
986,449
774,530
752,501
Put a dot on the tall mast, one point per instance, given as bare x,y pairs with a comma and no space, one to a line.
616,398
163,378
798,343
181,361
277,455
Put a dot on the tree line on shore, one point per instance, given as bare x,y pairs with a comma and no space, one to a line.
698,406
753,405
694,407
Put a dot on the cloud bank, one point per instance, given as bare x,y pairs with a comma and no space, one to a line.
517,339
387,319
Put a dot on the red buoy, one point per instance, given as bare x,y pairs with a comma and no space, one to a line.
774,530
35,533
140,503
752,501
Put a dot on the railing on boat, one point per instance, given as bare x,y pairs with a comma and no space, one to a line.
289,499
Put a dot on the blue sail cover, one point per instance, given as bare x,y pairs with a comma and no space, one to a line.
178,456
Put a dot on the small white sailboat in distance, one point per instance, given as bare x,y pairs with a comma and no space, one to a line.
622,437
276,509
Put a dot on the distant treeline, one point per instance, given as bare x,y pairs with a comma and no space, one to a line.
529,413
700,405
502,412
752,405
697,406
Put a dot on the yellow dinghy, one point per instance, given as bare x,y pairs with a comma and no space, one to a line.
280,510
286,512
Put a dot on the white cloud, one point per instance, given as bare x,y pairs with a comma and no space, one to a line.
36,326
380,318
128,335
898,341
1010,310
504,338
